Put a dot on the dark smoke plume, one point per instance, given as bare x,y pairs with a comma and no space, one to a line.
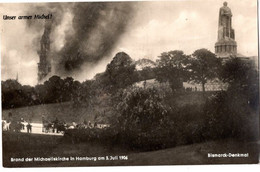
38,26
97,28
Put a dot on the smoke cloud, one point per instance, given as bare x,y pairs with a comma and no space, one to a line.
90,32
97,28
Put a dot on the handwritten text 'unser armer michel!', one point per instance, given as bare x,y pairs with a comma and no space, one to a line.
36,16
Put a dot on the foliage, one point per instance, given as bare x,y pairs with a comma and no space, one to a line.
145,69
171,67
53,90
234,113
145,117
141,115
141,110
229,115
203,66
97,135
242,78
145,74
119,72
15,95
57,90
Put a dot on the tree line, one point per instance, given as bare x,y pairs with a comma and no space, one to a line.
173,67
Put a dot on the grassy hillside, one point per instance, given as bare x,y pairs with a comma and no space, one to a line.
63,111
70,113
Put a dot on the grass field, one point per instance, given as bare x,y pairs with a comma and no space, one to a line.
21,145
69,113
63,111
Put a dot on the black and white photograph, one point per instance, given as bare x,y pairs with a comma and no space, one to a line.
129,83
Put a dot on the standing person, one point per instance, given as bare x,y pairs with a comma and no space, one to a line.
55,124
9,121
29,128
44,123
22,123
85,123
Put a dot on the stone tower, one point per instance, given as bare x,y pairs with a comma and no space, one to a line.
226,44
44,66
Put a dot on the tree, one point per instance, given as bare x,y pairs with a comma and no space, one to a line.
76,93
203,66
67,88
242,78
87,91
145,69
51,91
238,72
10,84
55,86
141,110
171,67
119,72
141,118
15,95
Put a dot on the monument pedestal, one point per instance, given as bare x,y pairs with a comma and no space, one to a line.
225,48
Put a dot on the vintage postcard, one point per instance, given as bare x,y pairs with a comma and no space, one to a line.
129,83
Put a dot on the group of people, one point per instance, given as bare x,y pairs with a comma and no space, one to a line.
190,89
52,126
57,125
89,124
15,124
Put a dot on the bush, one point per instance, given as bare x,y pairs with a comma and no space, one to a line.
147,120
104,135
188,124
228,114
142,117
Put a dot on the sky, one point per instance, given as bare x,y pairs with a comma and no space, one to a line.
156,27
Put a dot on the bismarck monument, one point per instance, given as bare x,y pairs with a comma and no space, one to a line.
226,45
225,48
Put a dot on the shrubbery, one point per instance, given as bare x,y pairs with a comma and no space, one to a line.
229,115
104,135
142,117
146,120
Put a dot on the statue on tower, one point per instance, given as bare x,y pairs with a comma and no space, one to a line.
226,44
